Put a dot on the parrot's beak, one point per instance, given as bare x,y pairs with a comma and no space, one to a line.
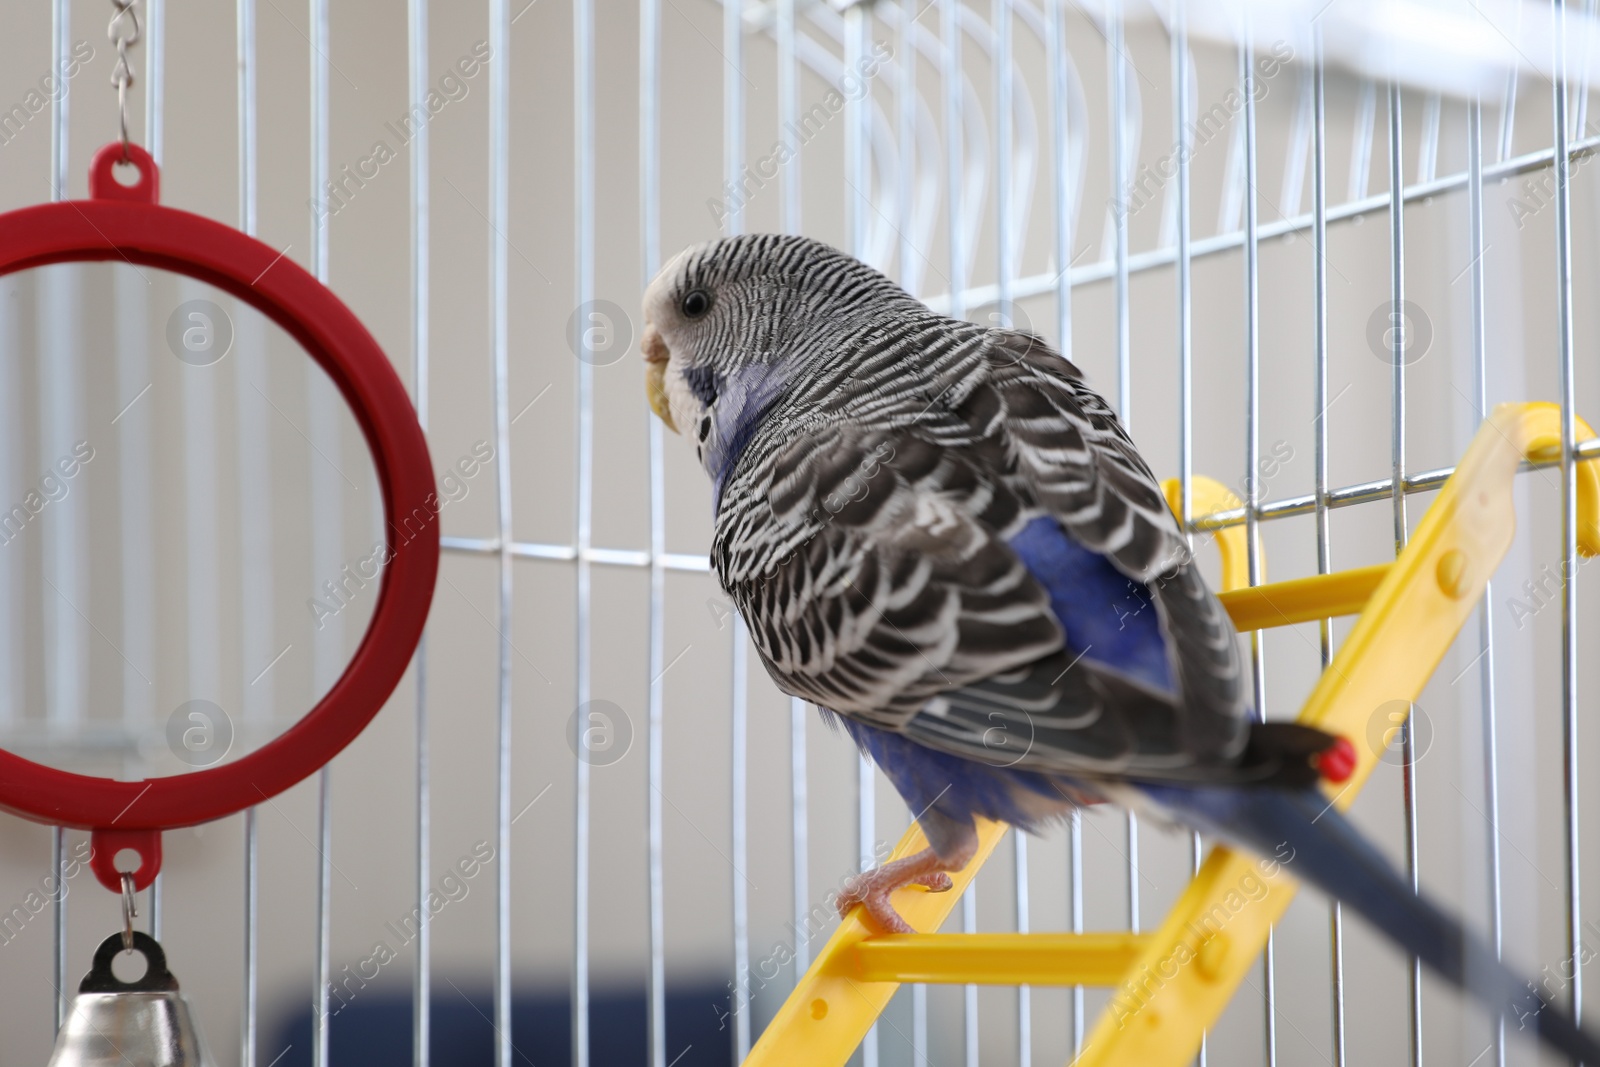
655,375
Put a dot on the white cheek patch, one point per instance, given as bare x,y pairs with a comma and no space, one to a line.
687,411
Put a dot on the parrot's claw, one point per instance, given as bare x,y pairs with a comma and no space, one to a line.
871,889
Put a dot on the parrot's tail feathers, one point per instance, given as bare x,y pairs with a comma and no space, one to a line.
1315,843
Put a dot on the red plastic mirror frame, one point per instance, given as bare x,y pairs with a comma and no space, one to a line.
120,222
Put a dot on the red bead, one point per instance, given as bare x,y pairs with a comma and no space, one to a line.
1338,761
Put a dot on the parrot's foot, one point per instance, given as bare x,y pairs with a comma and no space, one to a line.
871,890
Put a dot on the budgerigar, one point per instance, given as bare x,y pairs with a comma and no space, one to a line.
942,536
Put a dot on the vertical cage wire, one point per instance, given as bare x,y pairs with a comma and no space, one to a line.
12,574
58,857
135,472
204,613
324,933
325,531
1183,276
1117,62
799,795
1569,498
60,51
897,188
650,256
1580,106
1061,173
1117,65
800,835
499,163
256,540
136,547
139,589
421,252
856,200
739,679
951,93
1251,238
1005,316
1246,183
1065,197
969,993
906,101
952,83
1024,993
1486,674
1252,451
60,43
1397,425
584,256
733,120
155,76
799,798
1319,351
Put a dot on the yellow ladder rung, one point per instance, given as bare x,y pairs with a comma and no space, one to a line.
1100,959
1322,596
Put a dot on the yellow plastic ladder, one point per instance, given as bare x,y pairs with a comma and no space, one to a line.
1173,983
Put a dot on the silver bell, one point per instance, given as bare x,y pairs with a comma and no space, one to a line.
145,1023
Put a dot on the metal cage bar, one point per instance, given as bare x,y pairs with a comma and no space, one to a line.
1252,452
1117,67
1161,257
1064,196
326,533
420,173
866,137
733,154
254,468
1491,769
60,43
1182,105
583,53
650,256
499,164
1569,497
1319,266
1397,427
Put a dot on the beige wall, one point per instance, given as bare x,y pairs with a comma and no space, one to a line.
159,629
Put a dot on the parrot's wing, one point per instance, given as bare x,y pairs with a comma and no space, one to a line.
880,576
1042,717
1074,456
871,573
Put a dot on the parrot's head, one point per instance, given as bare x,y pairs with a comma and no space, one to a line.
730,323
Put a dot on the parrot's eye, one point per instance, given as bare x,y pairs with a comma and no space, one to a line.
696,304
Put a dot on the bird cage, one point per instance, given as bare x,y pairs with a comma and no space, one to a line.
1305,250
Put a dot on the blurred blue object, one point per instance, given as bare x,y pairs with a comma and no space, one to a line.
376,1029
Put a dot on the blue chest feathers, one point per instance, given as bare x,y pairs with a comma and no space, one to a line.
736,405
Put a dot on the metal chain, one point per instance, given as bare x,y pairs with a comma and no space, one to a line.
124,33
130,911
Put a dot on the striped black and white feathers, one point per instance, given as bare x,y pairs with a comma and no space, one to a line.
874,463
940,533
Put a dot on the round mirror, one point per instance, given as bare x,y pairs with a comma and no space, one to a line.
191,528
